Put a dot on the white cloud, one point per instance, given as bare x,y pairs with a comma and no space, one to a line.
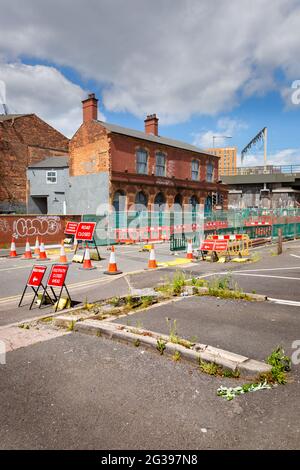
174,57
289,156
44,91
226,127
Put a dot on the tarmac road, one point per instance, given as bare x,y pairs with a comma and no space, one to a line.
82,392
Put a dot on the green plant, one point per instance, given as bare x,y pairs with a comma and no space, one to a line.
172,330
137,343
178,282
86,305
46,320
161,346
71,325
98,334
174,338
25,326
230,392
234,374
209,368
147,300
281,364
115,301
176,356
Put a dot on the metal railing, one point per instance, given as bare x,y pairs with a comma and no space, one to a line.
261,170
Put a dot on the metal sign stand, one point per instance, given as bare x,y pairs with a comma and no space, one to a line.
34,288
56,298
94,246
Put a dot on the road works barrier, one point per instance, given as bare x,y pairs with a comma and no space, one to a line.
227,246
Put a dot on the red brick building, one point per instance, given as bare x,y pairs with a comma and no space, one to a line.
24,139
143,166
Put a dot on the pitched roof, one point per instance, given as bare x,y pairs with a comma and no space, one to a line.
9,117
52,162
152,138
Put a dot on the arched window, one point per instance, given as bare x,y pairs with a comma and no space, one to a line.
194,201
195,170
160,164
119,200
178,200
142,161
209,172
141,200
160,200
208,204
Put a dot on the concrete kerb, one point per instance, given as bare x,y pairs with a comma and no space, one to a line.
148,339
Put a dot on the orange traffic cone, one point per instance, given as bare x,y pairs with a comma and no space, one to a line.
87,264
152,261
112,266
189,253
13,252
63,257
27,254
43,254
37,246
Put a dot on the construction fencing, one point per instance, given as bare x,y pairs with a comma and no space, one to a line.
178,228
149,226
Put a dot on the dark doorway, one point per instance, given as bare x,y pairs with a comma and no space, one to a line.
39,205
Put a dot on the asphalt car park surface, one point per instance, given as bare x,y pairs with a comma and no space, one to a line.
82,392
275,276
252,329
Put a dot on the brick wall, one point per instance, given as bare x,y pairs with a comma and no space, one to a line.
49,228
123,150
24,140
89,150
93,150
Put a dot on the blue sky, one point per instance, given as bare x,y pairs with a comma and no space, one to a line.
206,68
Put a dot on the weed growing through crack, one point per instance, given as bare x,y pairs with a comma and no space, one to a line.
161,346
137,343
176,356
209,368
225,288
281,364
173,336
179,281
71,325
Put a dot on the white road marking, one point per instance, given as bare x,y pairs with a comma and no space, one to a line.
295,256
266,276
76,286
293,303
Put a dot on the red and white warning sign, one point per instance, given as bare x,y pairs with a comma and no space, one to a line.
36,276
207,245
71,228
221,245
85,231
57,275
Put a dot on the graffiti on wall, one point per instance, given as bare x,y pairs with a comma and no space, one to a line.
37,226
4,226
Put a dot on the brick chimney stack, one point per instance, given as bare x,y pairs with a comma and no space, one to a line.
90,108
151,124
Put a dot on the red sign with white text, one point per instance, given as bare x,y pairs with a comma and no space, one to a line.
36,276
207,245
57,275
85,231
71,228
221,245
